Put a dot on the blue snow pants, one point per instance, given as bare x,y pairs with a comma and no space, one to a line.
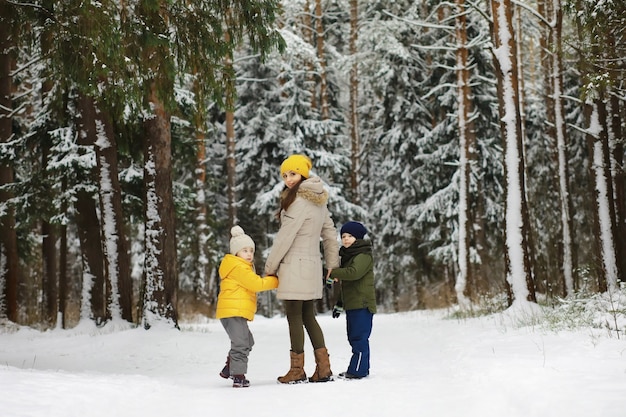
359,327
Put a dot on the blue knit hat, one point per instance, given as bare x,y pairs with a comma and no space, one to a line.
356,229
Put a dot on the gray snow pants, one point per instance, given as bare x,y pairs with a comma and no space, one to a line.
241,342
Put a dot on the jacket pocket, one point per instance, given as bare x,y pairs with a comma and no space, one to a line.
310,268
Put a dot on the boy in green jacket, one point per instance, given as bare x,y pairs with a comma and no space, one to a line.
357,296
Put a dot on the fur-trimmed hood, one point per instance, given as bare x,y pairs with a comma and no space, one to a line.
311,189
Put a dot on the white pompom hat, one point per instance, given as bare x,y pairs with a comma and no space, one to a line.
239,240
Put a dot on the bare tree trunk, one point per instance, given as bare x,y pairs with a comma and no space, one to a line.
50,276
616,146
89,231
63,275
546,281
603,184
9,262
115,243
160,291
594,110
530,239
49,252
160,294
619,181
90,246
567,266
201,273
231,169
307,35
464,283
319,28
355,151
516,221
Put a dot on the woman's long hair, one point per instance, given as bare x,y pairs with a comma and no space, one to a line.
288,196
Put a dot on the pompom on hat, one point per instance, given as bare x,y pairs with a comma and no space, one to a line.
356,229
239,240
297,163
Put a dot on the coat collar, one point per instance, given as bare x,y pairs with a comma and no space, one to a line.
312,189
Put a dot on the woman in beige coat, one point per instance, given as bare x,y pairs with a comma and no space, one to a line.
295,258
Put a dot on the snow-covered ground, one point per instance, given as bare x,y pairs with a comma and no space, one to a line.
423,364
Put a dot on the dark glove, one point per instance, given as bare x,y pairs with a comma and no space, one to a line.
328,281
337,310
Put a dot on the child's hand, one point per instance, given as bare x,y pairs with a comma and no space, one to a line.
327,279
337,310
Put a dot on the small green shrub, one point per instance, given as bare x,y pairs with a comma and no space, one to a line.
584,309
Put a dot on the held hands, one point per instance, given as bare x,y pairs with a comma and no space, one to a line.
327,279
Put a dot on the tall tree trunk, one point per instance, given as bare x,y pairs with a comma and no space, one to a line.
545,280
516,220
50,269
355,139
49,233
231,169
604,204
200,271
519,60
320,39
89,231
616,146
88,226
619,181
9,262
594,111
161,292
464,285
567,266
63,273
307,35
115,243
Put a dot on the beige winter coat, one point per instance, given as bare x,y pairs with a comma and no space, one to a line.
295,256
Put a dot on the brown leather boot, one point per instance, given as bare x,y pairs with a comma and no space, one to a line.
322,366
296,373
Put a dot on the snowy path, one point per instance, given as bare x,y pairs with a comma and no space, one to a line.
422,365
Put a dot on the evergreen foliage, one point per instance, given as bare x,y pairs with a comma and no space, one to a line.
259,58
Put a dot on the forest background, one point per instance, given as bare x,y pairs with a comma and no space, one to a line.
481,143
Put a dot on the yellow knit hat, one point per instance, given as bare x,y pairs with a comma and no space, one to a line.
297,163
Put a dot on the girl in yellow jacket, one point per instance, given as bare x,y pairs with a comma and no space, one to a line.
236,303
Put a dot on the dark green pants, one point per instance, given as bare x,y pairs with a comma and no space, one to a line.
300,316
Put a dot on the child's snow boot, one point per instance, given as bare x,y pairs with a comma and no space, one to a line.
296,372
240,381
225,372
347,375
322,366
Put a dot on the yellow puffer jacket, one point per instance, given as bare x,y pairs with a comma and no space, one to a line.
238,288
